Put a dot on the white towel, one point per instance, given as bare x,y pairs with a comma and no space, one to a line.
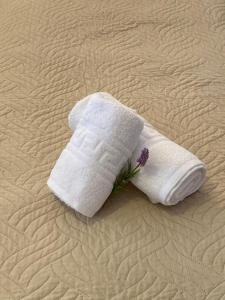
171,174
105,138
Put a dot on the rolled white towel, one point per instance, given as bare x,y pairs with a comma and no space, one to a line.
105,138
171,174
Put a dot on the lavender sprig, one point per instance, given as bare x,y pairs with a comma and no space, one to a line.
128,172
143,157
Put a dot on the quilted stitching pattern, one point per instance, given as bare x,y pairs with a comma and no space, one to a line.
164,58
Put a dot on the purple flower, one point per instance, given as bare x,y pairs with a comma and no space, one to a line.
128,172
143,157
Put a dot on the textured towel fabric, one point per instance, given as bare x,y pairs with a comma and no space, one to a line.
171,174
105,138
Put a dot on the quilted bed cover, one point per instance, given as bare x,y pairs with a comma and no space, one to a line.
166,59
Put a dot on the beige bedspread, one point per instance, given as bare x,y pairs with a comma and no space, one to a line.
166,59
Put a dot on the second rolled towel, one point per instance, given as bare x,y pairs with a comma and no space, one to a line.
171,174
105,137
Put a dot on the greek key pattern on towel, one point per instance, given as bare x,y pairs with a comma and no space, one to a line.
88,144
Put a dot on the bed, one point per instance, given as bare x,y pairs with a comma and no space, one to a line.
164,58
